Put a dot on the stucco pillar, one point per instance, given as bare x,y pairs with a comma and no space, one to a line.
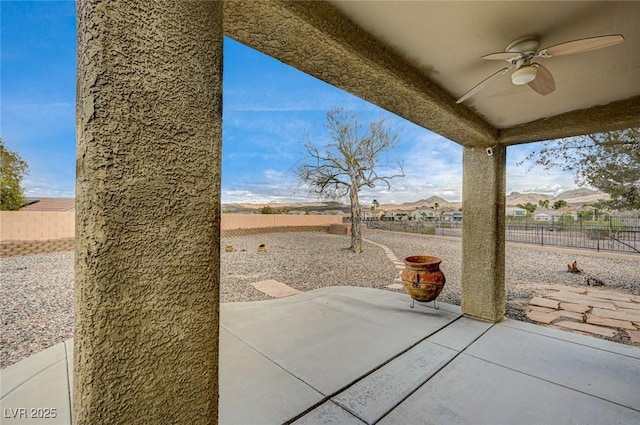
149,113
483,246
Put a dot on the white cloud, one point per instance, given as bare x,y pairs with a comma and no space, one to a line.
524,177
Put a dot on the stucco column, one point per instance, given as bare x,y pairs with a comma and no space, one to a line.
149,113
483,246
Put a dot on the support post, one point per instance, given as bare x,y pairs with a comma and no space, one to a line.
483,233
149,115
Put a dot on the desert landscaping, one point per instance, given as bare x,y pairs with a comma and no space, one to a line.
37,308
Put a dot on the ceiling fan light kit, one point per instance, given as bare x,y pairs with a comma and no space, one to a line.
522,51
524,75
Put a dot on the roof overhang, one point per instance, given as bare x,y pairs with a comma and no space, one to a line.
415,58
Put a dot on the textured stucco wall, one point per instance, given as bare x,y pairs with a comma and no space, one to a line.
149,111
614,116
483,245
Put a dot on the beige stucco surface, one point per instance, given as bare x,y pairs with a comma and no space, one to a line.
483,244
149,111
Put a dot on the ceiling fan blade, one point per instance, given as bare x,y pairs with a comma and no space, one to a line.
481,84
501,56
544,82
580,46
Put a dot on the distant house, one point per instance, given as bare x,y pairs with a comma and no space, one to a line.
454,217
555,216
515,212
423,214
49,204
368,215
396,215
542,217
400,216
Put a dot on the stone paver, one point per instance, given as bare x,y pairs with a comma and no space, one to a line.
566,288
581,299
611,323
584,327
275,289
626,305
609,295
621,315
595,311
576,308
634,336
544,302
542,309
548,315
543,317
571,315
399,265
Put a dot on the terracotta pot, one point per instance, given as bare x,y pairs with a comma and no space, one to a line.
422,277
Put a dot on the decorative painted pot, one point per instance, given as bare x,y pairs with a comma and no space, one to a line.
422,278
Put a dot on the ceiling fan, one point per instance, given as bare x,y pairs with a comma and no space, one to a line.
522,51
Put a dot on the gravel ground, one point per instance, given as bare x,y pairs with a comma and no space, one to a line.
304,261
36,305
527,268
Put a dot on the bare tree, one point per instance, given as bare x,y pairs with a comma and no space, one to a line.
348,162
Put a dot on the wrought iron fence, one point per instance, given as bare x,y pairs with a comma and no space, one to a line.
614,234
422,227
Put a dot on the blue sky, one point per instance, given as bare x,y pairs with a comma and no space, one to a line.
269,108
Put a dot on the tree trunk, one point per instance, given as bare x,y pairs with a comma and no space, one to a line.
356,233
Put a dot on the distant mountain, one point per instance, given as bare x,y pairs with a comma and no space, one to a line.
579,197
249,208
574,197
433,200
577,193
515,198
429,202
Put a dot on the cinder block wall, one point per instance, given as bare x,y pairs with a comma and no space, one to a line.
36,225
33,232
251,221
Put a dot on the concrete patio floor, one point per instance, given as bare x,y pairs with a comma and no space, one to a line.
346,355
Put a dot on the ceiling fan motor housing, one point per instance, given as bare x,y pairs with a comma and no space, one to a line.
528,44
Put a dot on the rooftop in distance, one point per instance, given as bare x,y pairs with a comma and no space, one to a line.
49,204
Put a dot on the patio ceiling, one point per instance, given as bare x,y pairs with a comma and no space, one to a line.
415,58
